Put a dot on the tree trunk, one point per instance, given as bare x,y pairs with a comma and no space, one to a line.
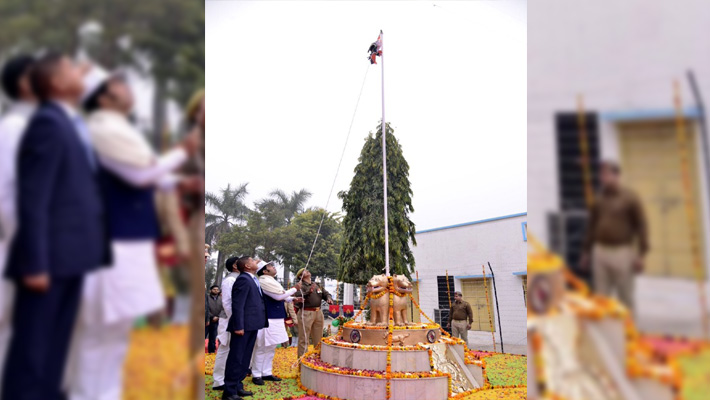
158,114
196,229
287,276
220,268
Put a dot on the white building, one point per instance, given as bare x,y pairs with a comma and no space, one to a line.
462,250
623,58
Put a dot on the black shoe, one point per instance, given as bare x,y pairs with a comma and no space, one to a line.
244,393
258,381
271,378
221,388
232,397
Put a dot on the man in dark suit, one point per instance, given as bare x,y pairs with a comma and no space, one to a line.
61,232
248,316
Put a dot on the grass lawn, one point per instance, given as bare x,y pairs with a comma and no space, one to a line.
507,370
696,375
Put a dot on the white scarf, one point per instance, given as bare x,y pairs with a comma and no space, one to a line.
115,138
271,285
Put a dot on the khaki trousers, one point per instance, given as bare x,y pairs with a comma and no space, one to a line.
612,267
313,326
459,329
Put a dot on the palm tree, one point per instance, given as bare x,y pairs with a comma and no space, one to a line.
229,210
291,205
277,212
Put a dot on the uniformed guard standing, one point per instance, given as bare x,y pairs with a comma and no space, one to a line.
460,313
310,316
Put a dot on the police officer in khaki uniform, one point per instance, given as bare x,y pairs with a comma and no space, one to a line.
460,312
308,301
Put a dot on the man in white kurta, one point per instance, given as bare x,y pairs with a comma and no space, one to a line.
16,87
223,336
268,338
114,297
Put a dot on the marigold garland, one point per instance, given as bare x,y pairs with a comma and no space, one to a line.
315,363
361,325
377,295
390,324
488,306
363,304
336,341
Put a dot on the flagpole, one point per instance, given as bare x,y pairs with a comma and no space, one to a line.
384,158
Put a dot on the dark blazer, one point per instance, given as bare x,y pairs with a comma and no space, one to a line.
61,222
248,308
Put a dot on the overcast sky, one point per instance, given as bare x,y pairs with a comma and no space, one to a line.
283,79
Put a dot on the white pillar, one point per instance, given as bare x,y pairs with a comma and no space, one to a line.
348,294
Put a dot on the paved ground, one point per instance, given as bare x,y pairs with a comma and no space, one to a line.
668,306
509,348
483,341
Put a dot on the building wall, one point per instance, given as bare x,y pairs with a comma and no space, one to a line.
462,251
622,57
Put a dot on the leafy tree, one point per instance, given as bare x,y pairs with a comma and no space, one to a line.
238,242
363,250
297,240
162,39
263,230
278,211
171,35
229,209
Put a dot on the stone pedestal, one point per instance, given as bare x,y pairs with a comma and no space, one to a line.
414,335
402,361
363,388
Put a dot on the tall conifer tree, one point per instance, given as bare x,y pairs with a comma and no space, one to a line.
362,254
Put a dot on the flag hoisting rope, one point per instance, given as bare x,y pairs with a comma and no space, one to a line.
332,186
337,170
377,52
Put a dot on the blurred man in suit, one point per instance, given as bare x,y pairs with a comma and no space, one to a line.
15,78
248,316
130,173
61,232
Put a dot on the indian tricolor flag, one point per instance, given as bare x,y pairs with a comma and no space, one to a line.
375,49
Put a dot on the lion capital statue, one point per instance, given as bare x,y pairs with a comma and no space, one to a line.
378,288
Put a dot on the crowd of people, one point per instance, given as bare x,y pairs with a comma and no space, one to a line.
85,202
251,314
